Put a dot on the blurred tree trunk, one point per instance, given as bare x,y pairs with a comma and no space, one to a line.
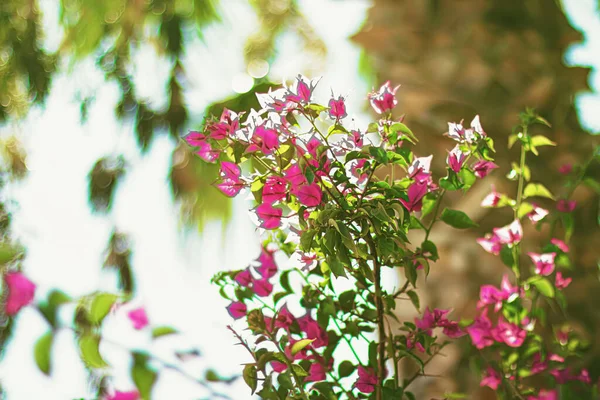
455,59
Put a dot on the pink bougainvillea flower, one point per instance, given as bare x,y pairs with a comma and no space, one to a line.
456,158
302,89
267,268
566,206
230,170
275,189
562,246
139,318
20,292
228,124
509,333
415,194
584,376
269,216
480,331
207,153
491,378
562,282
545,394
244,278
337,108
285,318
367,379
293,174
117,395
537,365
492,199
309,195
230,187
316,373
313,330
262,287
307,261
537,214
565,169
237,310
385,99
544,263
419,170
482,168
194,138
460,134
357,138
490,243
510,234
410,344
264,139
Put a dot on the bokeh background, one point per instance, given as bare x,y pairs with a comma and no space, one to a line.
101,192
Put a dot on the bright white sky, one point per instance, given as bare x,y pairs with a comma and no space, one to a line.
65,242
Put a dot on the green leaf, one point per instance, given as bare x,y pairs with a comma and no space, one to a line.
467,177
407,133
429,247
524,209
143,377
540,140
42,352
414,298
336,267
457,219
345,369
298,370
90,354
250,377
544,286
300,344
7,252
163,331
379,154
537,189
101,306
506,255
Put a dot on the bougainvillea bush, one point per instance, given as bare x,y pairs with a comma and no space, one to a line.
340,203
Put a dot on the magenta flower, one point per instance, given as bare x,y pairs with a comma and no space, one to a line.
117,395
456,158
415,194
293,174
231,183
227,126
301,91
357,138
545,394
491,378
309,195
566,206
337,108
318,371
565,169
262,287
194,139
561,282
237,310
207,153
509,333
492,199
367,380
510,234
20,292
285,318
419,170
264,140
544,263
313,330
275,189
244,278
537,365
384,100
410,344
490,243
267,267
269,216
537,214
139,318
482,168
562,246
480,331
